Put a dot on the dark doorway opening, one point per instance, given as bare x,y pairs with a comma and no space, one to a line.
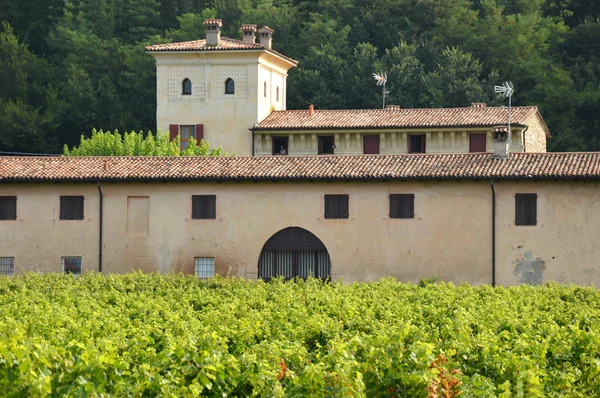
280,145
326,145
416,143
294,252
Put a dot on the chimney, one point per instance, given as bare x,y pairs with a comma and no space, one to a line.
478,105
392,107
213,32
266,36
249,33
311,110
501,142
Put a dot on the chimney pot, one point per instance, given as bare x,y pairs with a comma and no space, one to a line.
249,33
478,105
266,36
311,110
501,142
212,28
392,107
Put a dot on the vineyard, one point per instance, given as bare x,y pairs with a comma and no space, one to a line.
152,335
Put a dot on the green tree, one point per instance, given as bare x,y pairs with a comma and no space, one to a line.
108,143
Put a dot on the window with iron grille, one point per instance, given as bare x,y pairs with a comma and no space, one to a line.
336,206
71,265
71,207
526,209
402,205
7,266
204,206
8,207
205,267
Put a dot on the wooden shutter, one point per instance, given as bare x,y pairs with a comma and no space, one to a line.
199,132
370,144
173,131
526,209
423,143
204,207
8,207
402,205
477,142
71,207
336,206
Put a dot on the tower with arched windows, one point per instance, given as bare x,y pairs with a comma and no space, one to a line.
218,88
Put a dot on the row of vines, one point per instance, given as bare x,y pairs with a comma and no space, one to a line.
176,336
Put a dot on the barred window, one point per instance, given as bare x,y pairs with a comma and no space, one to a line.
71,265
336,206
8,207
205,267
71,207
7,266
402,205
204,206
526,209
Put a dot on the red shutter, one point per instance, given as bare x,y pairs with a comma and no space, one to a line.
199,132
174,131
477,142
370,144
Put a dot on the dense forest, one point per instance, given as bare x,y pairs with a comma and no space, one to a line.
68,66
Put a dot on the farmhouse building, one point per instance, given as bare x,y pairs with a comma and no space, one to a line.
531,218
416,193
233,94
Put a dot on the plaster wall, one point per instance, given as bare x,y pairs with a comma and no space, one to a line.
449,238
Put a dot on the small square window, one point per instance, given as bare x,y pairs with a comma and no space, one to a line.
7,266
71,207
402,206
336,206
280,145
416,143
526,209
326,145
71,265
8,207
204,207
205,267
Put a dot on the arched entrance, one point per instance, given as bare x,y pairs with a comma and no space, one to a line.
294,252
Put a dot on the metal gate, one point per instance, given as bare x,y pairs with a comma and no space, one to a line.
294,252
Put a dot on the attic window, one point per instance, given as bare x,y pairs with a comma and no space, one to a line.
186,87
229,86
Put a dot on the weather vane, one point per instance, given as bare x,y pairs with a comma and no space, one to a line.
507,89
381,79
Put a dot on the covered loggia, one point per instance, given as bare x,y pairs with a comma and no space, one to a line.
294,252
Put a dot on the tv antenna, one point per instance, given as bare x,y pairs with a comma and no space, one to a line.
381,79
507,89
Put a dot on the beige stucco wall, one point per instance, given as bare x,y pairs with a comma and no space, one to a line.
391,141
227,118
535,136
450,236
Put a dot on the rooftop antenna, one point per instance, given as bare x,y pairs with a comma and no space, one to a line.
507,89
381,79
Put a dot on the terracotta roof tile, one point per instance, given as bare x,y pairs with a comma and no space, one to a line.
573,165
225,44
395,118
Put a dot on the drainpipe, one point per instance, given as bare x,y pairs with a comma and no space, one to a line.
525,138
252,142
100,229
493,233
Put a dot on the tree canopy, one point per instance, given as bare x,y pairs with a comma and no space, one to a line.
71,65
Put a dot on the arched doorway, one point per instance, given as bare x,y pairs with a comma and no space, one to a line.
294,252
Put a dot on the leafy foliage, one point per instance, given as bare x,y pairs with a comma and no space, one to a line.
138,144
70,65
174,335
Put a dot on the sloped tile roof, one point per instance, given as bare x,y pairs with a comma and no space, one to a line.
573,165
395,118
225,44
